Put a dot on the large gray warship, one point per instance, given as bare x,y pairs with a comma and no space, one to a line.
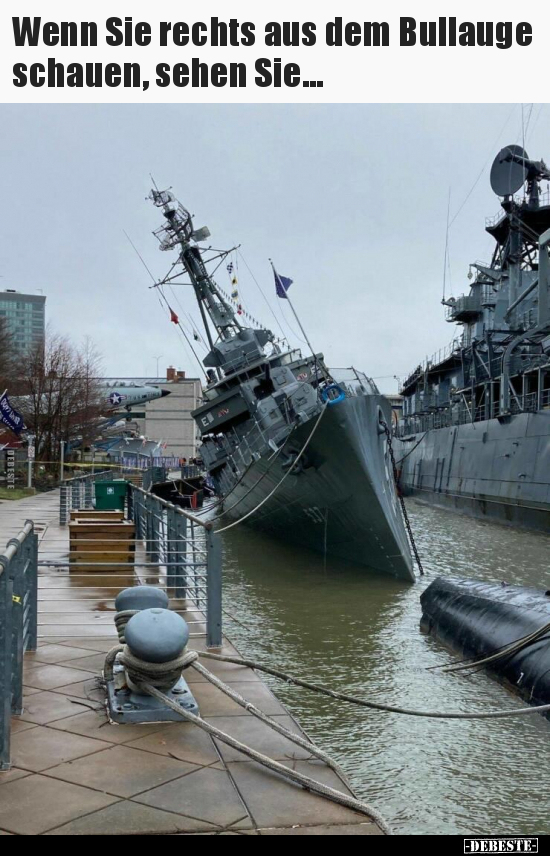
292,448
475,429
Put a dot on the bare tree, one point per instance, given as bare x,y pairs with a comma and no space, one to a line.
61,396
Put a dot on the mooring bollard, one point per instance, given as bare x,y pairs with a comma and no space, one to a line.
132,600
154,653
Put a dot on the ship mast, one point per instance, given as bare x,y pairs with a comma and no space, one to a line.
178,231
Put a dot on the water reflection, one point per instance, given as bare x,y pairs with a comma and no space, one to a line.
359,633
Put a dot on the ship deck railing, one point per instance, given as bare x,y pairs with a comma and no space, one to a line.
491,222
441,356
462,414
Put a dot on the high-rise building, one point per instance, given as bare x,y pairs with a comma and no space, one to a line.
25,319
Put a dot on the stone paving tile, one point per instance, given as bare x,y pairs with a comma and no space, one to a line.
3,832
121,771
75,620
55,605
240,832
200,645
212,702
20,725
341,829
36,804
47,677
40,748
54,654
89,662
274,801
89,643
186,742
87,689
60,632
45,707
129,818
10,775
95,724
228,672
258,735
208,794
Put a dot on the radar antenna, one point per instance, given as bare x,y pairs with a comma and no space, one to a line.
512,168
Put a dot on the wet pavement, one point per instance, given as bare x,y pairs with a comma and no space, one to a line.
74,773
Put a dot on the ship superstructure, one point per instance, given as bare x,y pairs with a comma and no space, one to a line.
475,431
293,448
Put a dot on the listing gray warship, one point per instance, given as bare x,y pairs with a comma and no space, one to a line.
292,448
475,429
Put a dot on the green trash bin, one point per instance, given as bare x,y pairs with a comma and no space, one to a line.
111,495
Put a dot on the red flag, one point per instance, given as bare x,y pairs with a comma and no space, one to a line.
173,317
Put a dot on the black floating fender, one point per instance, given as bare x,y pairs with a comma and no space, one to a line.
475,619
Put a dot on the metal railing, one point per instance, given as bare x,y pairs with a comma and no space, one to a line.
78,492
460,414
186,550
450,350
18,626
181,552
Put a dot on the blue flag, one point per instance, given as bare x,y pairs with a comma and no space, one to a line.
9,416
282,284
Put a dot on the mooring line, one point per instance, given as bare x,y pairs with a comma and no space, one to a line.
290,679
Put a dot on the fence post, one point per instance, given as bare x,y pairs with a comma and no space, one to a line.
16,574
177,533
155,533
6,592
63,505
32,590
213,589
88,493
74,495
148,528
138,515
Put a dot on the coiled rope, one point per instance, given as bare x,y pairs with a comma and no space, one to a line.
121,620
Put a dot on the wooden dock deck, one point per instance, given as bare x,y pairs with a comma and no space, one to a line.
73,773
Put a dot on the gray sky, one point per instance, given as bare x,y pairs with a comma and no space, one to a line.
349,200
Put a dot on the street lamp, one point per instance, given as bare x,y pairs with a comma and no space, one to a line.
157,359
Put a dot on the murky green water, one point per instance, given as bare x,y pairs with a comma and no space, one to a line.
359,633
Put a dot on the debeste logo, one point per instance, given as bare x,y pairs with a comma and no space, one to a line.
501,845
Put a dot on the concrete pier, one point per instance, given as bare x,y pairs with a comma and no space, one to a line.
73,773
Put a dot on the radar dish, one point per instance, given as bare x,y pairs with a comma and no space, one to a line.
507,175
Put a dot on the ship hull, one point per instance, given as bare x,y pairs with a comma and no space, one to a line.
342,501
497,469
